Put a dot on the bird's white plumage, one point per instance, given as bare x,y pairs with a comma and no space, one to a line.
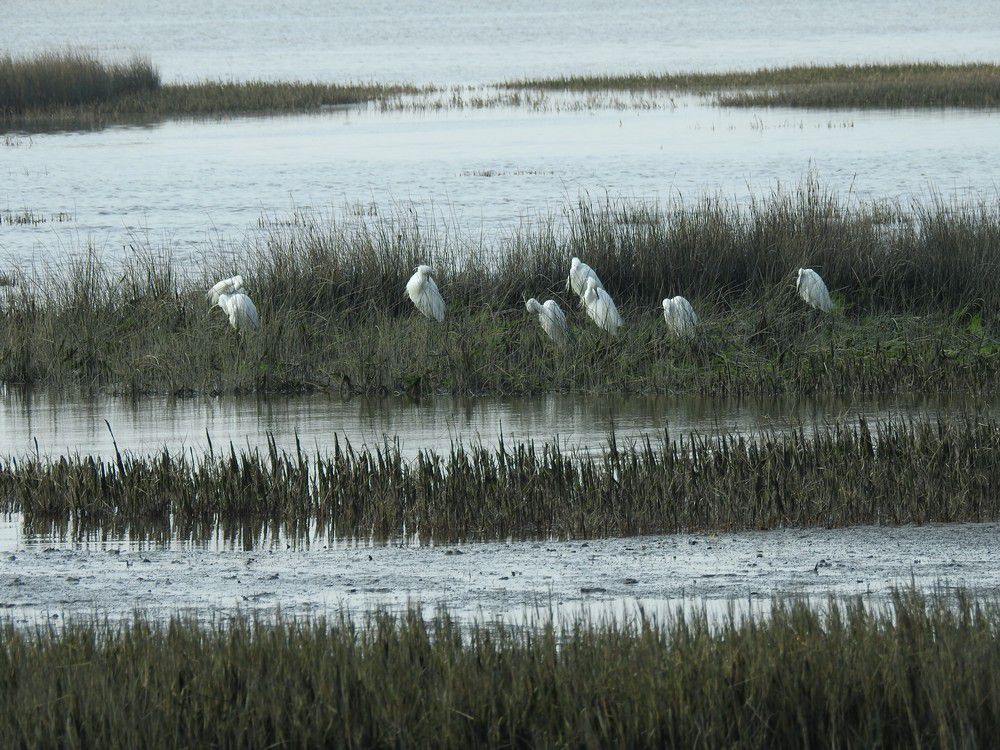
812,289
601,308
579,273
241,311
680,316
226,286
424,294
552,318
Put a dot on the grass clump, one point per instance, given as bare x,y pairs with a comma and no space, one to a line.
73,89
846,474
914,288
891,85
918,671
70,79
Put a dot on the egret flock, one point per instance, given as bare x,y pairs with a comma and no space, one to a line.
682,322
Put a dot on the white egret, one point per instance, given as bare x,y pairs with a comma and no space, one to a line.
241,311
680,316
424,293
601,308
812,289
226,286
579,272
552,318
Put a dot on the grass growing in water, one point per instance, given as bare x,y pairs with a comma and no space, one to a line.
915,286
70,79
821,86
919,671
844,475
77,89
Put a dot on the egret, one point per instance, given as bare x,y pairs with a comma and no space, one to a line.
424,293
812,289
601,308
680,316
226,286
241,311
579,272
552,318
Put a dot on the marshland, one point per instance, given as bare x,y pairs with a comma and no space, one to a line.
782,529
919,669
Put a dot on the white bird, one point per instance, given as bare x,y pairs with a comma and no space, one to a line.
226,286
241,311
601,308
552,318
579,272
680,316
812,289
424,293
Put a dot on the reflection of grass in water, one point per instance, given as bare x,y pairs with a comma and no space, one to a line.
821,86
845,474
914,286
918,670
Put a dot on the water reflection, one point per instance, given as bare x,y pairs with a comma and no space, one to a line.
53,426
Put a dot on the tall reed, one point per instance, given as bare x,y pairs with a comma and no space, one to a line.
70,79
917,672
846,474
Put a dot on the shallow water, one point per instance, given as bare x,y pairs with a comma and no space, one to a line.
482,41
42,578
60,426
189,186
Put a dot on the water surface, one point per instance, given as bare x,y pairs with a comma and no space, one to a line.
188,187
58,426
458,41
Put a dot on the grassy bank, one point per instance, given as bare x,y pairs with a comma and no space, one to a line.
886,86
74,89
916,672
915,288
844,475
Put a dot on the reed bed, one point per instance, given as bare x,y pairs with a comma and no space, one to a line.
918,671
75,89
885,86
70,79
845,474
915,288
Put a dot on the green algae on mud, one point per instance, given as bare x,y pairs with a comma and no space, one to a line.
914,287
918,670
843,474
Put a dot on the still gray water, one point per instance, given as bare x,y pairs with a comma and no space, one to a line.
189,186
456,41
56,426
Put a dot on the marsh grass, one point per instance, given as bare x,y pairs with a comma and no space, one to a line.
917,671
893,85
70,79
914,286
844,474
74,89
